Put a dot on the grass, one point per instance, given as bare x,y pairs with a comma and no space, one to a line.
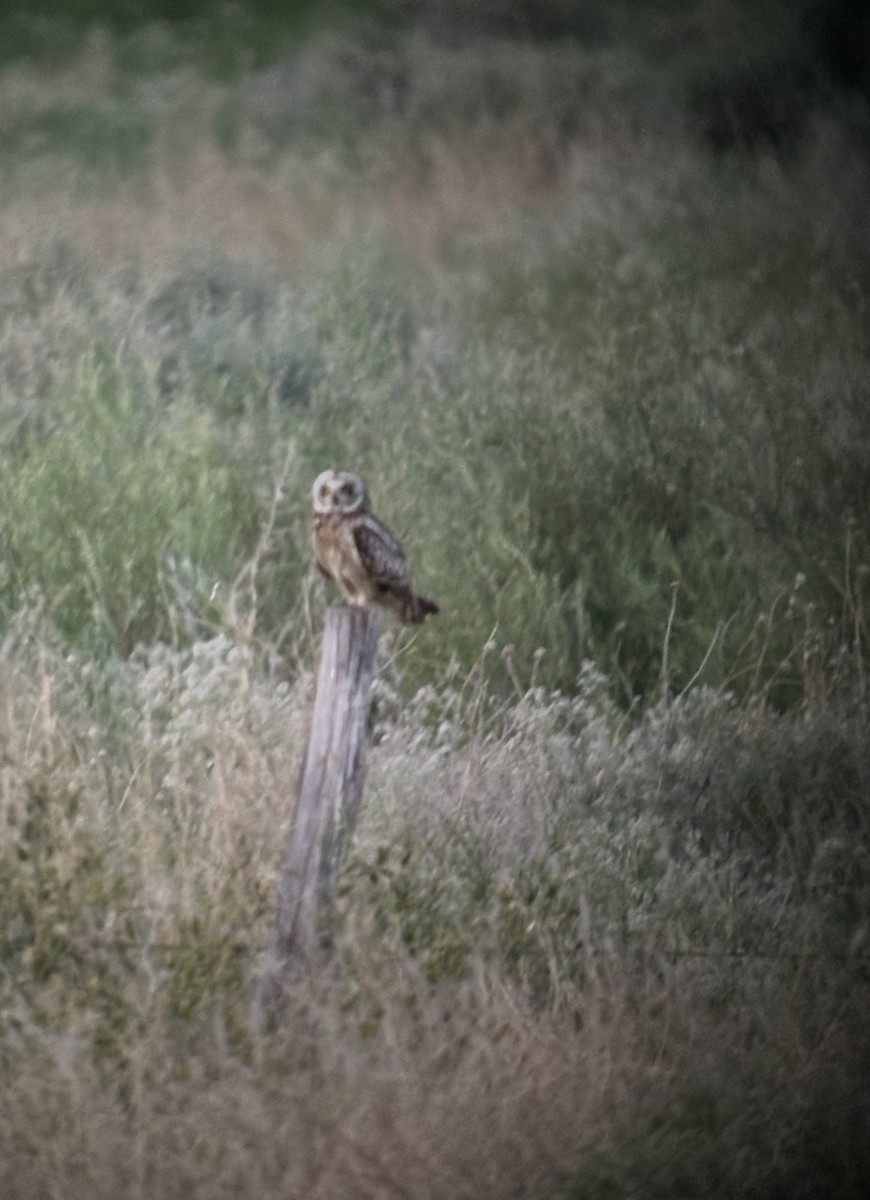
602,928
573,956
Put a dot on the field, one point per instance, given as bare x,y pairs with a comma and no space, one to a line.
586,304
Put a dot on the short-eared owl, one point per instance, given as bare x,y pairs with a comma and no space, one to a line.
358,552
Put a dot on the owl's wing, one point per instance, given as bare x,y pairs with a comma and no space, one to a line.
382,555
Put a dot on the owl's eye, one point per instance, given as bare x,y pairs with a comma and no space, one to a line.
324,491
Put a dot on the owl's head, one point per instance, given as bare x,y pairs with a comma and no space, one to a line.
339,492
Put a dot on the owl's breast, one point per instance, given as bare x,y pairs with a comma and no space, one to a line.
333,544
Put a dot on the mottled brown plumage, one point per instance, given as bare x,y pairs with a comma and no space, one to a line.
358,552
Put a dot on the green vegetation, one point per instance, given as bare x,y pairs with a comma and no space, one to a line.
584,299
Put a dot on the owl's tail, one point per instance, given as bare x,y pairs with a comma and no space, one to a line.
419,609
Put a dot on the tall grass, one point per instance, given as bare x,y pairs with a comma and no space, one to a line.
557,488
602,927
634,366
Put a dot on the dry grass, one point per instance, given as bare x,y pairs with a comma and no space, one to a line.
274,198
628,1007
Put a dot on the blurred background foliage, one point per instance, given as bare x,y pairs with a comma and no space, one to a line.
579,288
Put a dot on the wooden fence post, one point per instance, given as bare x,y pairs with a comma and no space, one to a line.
330,789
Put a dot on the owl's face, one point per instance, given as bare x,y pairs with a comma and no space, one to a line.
339,492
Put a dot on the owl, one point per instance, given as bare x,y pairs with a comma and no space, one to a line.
354,549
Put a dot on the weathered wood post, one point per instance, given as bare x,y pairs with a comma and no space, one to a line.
330,788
